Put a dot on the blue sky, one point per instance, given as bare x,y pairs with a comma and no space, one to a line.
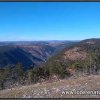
49,20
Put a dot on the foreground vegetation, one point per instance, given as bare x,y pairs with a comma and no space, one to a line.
57,89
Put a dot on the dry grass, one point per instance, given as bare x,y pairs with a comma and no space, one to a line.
55,89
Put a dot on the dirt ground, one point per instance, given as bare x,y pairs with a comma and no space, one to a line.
81,87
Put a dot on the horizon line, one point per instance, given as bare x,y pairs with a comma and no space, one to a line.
45,40
34,40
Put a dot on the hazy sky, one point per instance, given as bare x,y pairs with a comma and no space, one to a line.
49,20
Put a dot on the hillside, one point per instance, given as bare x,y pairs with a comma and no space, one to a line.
12,55
28,53
83,57
88,87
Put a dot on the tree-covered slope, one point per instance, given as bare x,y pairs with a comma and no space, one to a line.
82,57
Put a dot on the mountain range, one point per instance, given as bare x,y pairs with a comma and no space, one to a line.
29,53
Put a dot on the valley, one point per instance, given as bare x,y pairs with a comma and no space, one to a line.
29,53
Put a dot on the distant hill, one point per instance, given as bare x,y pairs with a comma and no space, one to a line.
29,53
